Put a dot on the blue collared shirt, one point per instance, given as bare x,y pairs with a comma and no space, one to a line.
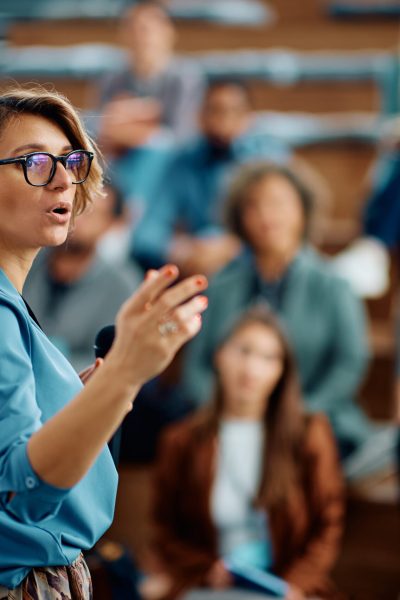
41,525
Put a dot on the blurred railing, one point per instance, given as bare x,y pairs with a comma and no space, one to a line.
245,12
279,67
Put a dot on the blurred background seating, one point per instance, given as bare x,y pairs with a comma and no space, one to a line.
248,12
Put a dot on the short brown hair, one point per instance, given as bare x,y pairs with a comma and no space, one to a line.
37,100
249,175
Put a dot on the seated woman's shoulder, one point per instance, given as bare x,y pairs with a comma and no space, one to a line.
317,431
240,266
184,431
322,270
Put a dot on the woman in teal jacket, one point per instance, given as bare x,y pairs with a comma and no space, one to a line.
271,210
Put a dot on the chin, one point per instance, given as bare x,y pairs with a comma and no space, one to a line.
56,239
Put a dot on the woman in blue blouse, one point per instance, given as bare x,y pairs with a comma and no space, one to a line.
57,480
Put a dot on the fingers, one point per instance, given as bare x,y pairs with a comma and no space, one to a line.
179,294
154,291
153,285
86,374
185,313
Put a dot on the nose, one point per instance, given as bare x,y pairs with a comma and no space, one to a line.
249,365
61,180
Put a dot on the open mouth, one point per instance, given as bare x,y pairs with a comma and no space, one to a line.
60,211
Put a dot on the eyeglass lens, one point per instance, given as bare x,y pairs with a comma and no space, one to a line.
39,167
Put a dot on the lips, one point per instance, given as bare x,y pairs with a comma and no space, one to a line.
61,208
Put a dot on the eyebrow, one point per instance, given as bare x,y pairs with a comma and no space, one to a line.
39,147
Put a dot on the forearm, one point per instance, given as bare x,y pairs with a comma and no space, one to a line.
65,447
63,450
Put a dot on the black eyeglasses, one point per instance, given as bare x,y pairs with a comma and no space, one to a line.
40,167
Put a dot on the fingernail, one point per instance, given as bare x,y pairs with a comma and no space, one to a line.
170,271
148,306
201,281
204,301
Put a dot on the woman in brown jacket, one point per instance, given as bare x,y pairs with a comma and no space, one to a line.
251,478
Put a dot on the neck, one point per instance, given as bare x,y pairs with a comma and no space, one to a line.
147,66
16,266
273,264
230,414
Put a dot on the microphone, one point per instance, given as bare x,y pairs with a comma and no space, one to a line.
102,344
104,341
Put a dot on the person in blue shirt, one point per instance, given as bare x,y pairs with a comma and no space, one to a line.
57,478
183,223
381,217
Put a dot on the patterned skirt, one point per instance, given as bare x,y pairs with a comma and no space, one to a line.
72,582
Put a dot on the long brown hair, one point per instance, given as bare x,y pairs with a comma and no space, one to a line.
283,420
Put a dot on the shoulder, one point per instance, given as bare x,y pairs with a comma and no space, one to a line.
318,434
115,81
191,150
13,316
321,271
182,435
185,71
239,267
115,277
16,332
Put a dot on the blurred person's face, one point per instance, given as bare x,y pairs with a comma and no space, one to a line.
147,30
272,216
249,366
90,226
225,114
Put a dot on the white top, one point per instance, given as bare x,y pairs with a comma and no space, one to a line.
236,484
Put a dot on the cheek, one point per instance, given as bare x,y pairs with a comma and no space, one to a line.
272,376
17,201
294,220
249,224
226,368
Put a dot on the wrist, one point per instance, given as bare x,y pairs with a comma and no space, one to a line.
122,376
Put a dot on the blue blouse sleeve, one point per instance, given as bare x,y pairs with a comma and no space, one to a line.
23,495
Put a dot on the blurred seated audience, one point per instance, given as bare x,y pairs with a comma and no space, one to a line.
183,223
271,210
366,262
382,212
139,173
158,404
382,219
73,291
154,90
250,479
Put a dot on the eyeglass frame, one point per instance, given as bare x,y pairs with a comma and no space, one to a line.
62,159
